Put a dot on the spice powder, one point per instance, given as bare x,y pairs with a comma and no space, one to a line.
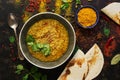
87,17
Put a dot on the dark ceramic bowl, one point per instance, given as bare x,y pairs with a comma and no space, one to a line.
97,15
23,45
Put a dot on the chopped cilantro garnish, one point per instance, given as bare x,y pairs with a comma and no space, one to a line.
38,47
30,38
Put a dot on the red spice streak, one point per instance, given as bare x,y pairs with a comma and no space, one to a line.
118,30
109,47
106,18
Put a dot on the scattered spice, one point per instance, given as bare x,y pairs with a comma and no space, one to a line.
87,17
42,6
58,4
99,36
26,15
33,5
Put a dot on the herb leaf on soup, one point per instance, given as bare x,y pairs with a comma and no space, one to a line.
30,39
38,47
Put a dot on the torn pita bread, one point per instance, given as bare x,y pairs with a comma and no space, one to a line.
76,68
95,62
84,66
113,11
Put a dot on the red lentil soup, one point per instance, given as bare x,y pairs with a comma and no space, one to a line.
52,32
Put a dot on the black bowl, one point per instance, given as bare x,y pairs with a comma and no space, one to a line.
23,45
97,14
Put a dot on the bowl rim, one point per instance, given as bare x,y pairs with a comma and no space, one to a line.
43,67
87,6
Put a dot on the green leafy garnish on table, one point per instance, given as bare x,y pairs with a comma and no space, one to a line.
19,69
78,1
115,60
106,31
64,6
12,39
33,73
38,47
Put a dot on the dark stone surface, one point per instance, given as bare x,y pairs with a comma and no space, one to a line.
85,40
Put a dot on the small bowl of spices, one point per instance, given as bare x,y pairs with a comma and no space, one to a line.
87,16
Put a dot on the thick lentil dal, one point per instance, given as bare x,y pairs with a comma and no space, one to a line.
52,32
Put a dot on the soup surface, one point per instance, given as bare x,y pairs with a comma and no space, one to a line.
52,32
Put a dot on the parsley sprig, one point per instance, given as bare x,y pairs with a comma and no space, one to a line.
33,73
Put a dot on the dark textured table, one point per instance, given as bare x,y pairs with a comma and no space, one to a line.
85,39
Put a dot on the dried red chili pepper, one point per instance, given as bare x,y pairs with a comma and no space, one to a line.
109,46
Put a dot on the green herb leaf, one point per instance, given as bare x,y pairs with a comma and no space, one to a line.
30,43
12,39
64,6
37,76
25,77
106,31
44,48
20,67
115,59
78,1
44,77
39,45
30,38
18,72
33,69
35,47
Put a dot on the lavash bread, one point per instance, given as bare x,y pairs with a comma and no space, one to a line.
84,66
112,10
